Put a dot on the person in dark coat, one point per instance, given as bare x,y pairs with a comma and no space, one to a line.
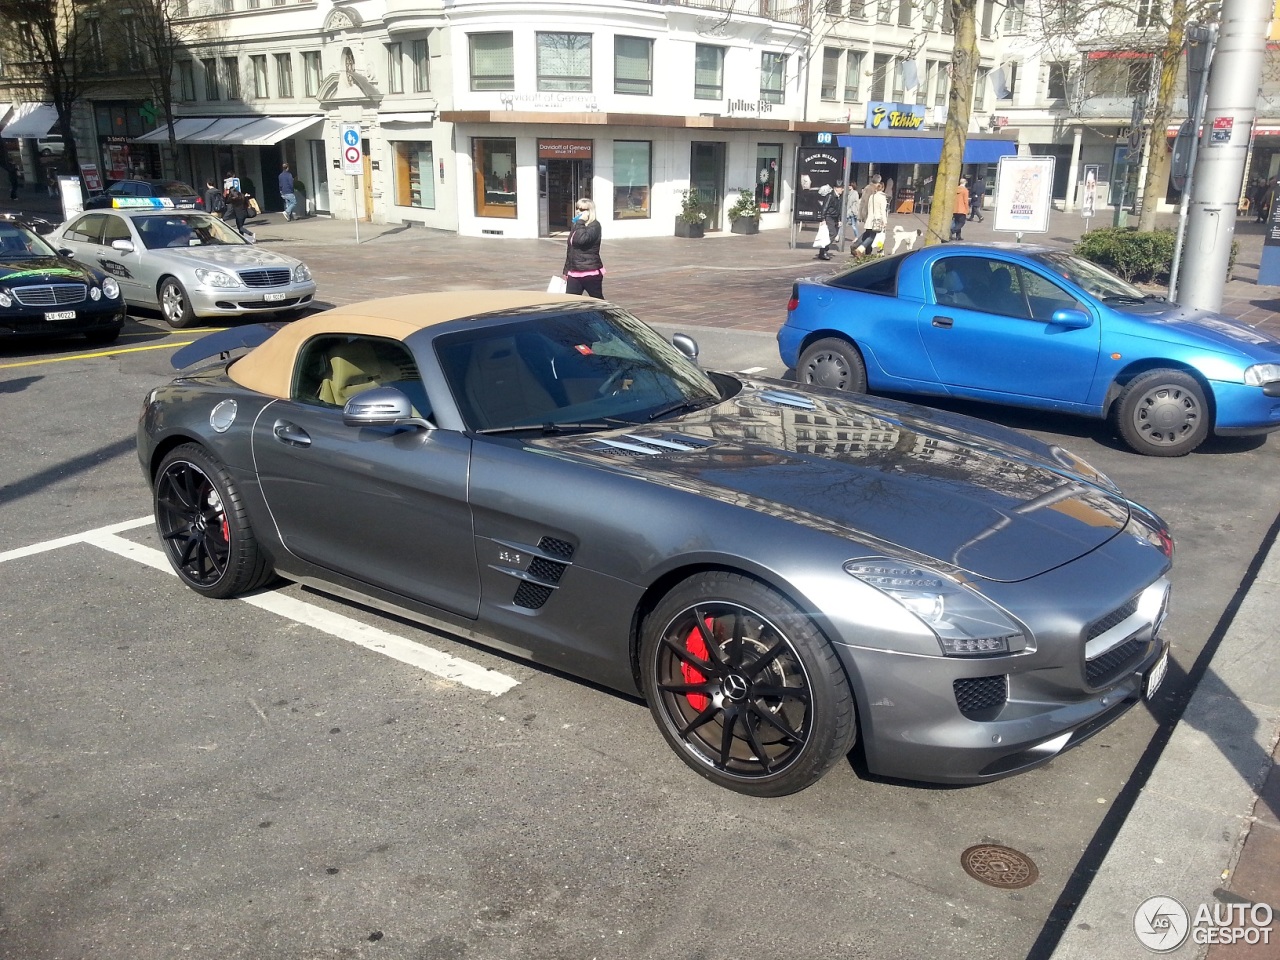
238,206
583,268
977,193
829,211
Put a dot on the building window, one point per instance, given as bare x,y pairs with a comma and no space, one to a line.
1057,89
853,75
899,81
421,66
942,80
884,11
186,80
284,75
97,56
632,179
768,170
311,72
633,65
395,68
904,13
988,18
882,64
252,4
923,82
415,175
830,72
1010,80
834,8
210,70
948,21
708,72
980,88
1014,15
773,77
231,73
1148,13
260,89
135,49
564,62
492,62
494,164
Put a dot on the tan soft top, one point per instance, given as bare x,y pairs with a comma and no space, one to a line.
268,368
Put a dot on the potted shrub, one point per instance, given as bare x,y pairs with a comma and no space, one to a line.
744,216
691,221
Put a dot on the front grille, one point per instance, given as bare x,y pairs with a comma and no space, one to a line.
266,277
531,595
980,698
1115,662
1099,627
49,295
560,548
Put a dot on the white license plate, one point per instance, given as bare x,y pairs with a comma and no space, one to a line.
60,315
272,297
1156,676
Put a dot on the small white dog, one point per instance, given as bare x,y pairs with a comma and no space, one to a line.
905,235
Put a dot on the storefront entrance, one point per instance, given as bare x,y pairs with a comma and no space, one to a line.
706,179
565,170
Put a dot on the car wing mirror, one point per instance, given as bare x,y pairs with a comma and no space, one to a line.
124,246
1071,319
686,345
66,252
382,407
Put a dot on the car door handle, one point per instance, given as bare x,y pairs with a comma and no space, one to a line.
291,434
943,322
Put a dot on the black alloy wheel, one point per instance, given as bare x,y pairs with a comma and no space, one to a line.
744,687
203,525
833,363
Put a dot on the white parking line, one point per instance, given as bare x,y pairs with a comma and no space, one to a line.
427,659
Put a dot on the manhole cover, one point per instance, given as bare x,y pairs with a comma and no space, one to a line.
999,866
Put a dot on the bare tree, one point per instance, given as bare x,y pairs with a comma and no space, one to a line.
964,69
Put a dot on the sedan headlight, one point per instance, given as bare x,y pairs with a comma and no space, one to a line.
110,289
965,623
216,278
6,300
1261,373
301,273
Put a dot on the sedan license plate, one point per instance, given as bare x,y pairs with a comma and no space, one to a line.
1156,676
272,297
60,315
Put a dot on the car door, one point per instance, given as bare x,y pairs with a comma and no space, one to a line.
125,265
383,505
989,331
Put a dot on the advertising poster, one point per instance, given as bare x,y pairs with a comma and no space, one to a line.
1024,194
1089,195
816,166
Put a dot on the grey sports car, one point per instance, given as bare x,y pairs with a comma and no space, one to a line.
187,263
781,571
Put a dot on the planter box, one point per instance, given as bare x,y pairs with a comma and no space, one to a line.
691,230
745,225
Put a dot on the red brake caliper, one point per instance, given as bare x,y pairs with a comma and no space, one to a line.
698,647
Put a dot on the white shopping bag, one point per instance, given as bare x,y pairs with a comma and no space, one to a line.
557,285
824,235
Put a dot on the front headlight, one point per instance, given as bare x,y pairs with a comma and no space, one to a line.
110,289
1261,373
216,278
301,273
965,623
5,299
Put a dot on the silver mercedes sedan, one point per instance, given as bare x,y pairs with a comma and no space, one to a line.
187,263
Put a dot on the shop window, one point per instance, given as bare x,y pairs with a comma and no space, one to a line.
564,62
186,80
492,61
633,65
395,68
494,164
311,72
231,73
830,72
210,70
773,77
708,72
284,75
632,179
768,172
421,66
853,74
260,89
415,183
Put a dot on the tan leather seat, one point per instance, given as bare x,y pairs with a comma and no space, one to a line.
353,369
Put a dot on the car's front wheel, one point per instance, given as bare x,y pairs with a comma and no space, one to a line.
833,363
204,526
175,304
1162,413
744,687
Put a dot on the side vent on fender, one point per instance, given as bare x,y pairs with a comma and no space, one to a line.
544,572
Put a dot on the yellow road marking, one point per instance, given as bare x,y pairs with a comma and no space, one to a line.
94,356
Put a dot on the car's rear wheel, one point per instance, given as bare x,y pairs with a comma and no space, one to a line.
175,304
833,363
204,526
1162,413
744,687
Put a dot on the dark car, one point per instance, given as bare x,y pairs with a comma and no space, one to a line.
182,194
781,571
45,294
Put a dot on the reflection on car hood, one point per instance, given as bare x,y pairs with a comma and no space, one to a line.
1208,328
231,256
26,270
990,502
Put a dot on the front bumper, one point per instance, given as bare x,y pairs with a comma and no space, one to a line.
237,301
89,317
1240,409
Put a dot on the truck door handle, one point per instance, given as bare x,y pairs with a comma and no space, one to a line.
943,322
291,434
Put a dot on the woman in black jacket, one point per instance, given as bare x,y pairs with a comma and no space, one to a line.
583,269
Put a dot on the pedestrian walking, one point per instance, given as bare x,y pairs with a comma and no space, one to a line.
875,217
852,207
287,193
12,172
960,209
583,268
214,201
977,194
238,205
829,207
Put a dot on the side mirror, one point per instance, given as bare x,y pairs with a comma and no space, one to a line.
124,246
66,252
686,345
1071,319
381,407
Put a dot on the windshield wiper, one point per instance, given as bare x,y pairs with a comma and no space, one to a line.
1125,298
549,429
683,406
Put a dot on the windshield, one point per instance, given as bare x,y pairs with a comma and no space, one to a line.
19,243
185,230
1091,277
585,369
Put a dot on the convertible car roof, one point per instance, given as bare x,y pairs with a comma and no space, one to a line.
268,368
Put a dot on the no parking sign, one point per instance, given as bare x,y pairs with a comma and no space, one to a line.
352,155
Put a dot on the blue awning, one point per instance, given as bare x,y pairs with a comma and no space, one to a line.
878,148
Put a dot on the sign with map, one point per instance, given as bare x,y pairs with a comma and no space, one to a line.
1024,194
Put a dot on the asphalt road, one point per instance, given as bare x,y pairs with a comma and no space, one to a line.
184,777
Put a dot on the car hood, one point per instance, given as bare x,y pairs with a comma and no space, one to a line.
42,270
891,476
1209,329
228,257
